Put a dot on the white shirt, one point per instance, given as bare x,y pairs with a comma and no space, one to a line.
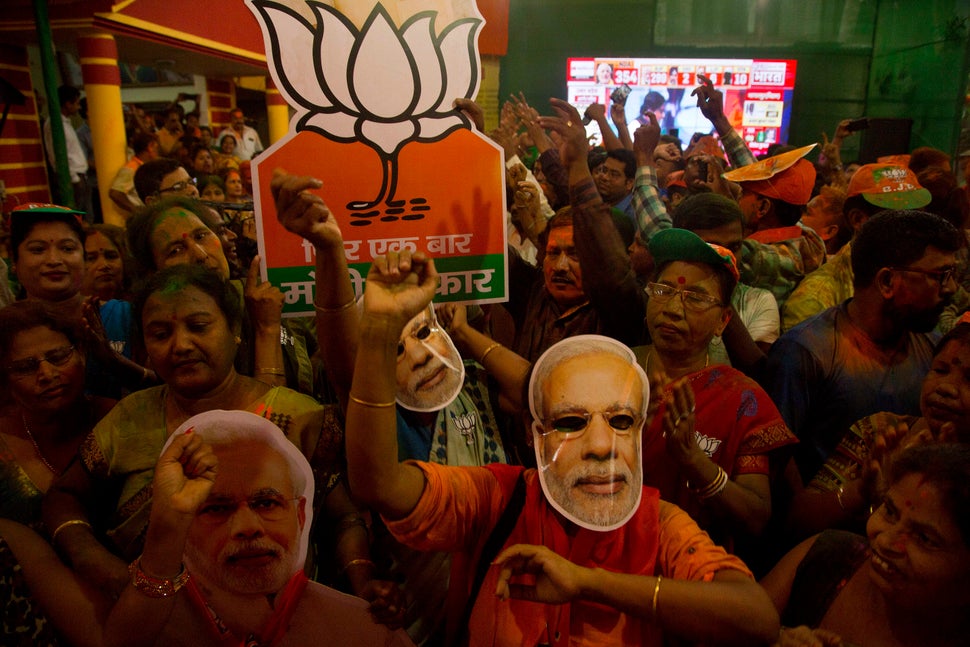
247,144
77,161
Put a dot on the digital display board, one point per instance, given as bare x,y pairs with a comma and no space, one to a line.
757,93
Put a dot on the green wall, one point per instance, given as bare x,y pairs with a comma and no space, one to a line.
855,57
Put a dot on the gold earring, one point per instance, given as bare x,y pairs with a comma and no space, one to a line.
238,340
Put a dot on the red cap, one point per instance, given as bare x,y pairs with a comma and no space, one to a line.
793,185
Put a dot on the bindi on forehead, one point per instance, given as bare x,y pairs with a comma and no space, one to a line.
681,280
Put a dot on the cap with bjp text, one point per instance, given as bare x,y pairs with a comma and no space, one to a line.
888,186
31,208
683,245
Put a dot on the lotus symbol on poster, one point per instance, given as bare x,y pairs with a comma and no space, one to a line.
382,85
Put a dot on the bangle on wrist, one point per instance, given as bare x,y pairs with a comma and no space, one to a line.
66,524
656,596
326,310
717,484
156,587
357,562
487,351
350,521
373,405
271,371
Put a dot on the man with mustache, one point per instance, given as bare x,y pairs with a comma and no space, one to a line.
587,284
225,548
588,549
871,352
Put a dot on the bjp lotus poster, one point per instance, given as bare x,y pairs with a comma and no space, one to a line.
373,96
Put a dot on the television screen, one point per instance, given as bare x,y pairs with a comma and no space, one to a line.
757,94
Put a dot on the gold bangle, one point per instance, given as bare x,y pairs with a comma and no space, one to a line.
487,351
357,562
326,311
656,596
350,521
375,405
69,522
155,587
271,371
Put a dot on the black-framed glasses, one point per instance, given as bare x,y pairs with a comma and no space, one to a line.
613,174
28,366
574,424
269,507
943,276
693,301
179,186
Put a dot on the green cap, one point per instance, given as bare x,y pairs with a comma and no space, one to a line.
683,245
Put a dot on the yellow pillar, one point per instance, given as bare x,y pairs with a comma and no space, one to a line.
277,113
102,85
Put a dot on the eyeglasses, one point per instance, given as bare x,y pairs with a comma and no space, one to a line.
269,507
693,301
613,174
28,366
574,423
943,276
178,187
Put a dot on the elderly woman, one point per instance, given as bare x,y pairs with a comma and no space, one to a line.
190,320
715,434
845,488
46,415
904,584
175,231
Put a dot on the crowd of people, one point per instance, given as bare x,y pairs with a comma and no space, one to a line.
725,403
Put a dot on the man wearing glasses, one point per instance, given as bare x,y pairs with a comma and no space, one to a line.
871,352
162,178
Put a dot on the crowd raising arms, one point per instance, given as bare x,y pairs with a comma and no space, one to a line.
360,348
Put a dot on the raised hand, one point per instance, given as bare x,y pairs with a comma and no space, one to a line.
556,580
95,337
400,285
709,99
678,424
452,316
569,126
885,440
472,110
618,113
264,301
596,111
842,131
658,381
184,474
303,213
646,138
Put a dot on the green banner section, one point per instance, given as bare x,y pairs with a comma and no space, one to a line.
482,278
